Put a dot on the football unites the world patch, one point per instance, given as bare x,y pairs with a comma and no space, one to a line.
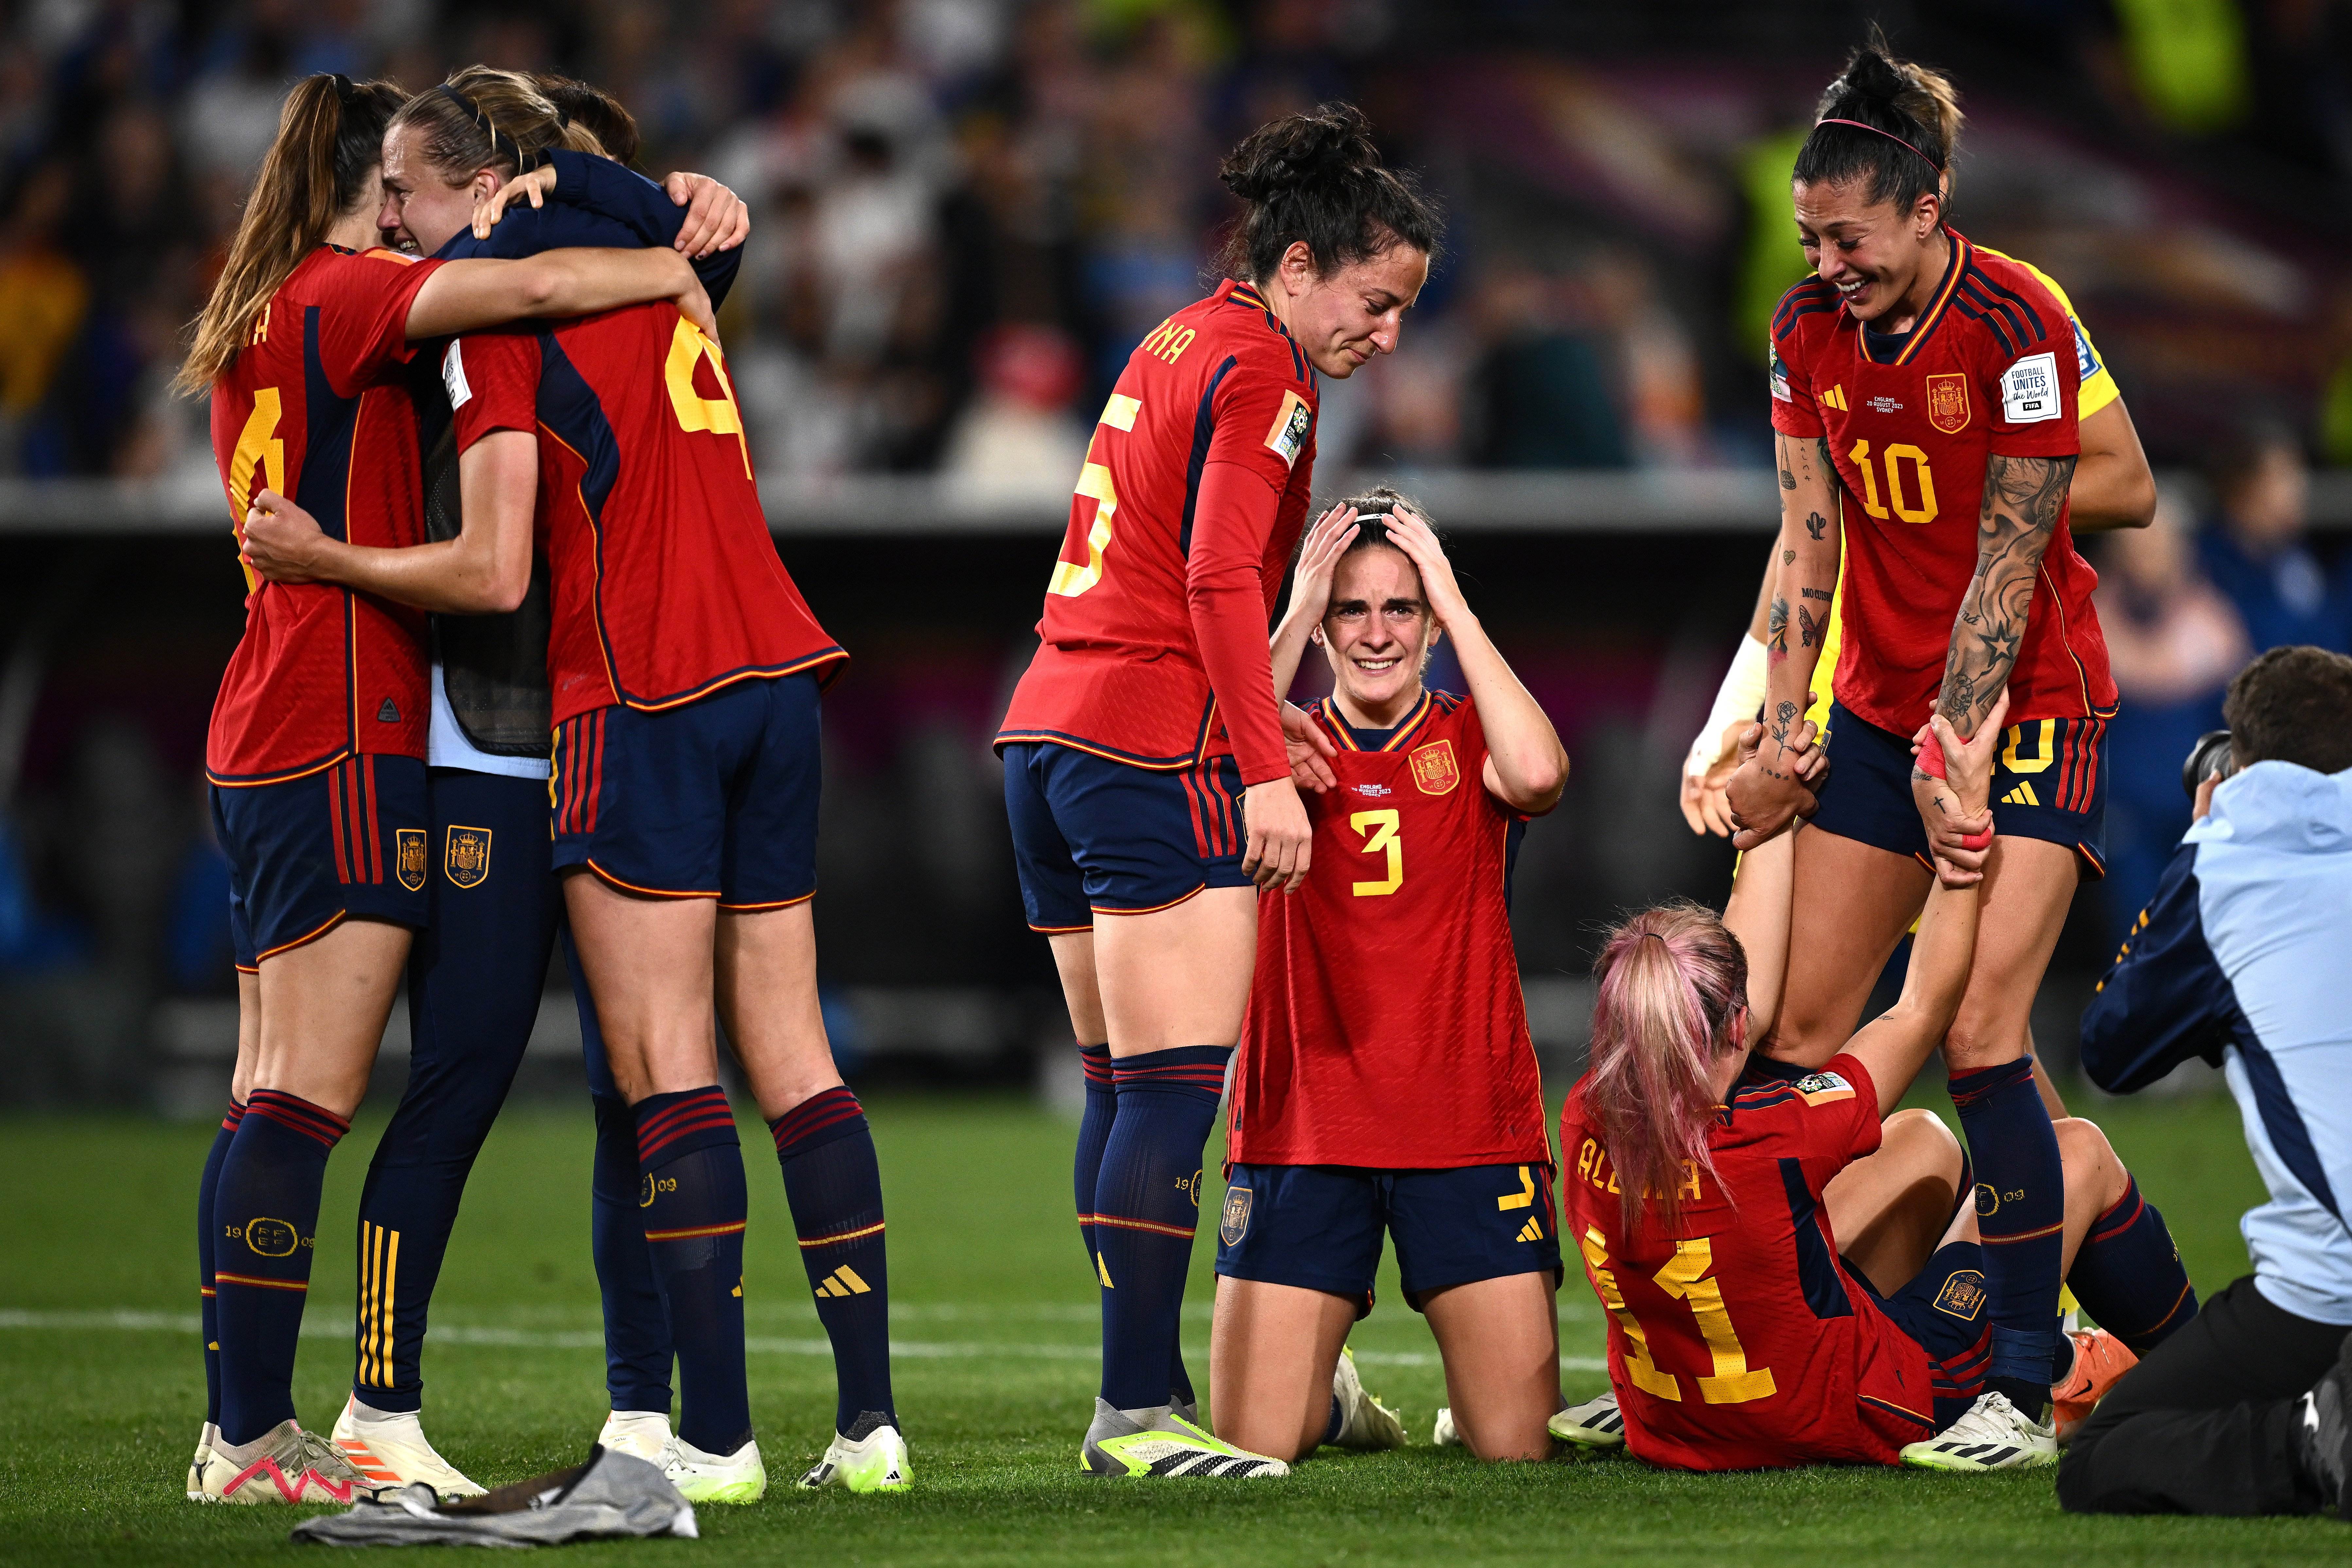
2029,389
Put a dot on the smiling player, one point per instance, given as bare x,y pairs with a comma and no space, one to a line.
1386,1081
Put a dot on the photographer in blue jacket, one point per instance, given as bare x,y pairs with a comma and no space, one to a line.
2243,960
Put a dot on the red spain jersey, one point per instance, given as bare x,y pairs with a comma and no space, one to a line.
665,585
1736,1340
1991,367
1144,574
314,407
1385,1025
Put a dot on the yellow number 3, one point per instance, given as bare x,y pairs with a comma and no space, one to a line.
718,415
1380,830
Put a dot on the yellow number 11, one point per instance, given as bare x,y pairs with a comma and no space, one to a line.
1684,1278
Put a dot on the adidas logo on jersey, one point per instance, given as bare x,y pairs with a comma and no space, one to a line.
844,1281
2021,796
1531,1231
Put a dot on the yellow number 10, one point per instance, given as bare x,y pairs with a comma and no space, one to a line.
1380,830
1923,481
1685,1277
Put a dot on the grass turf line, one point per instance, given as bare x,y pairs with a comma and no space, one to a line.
96,1422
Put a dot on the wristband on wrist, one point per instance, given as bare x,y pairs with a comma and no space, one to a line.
1739,697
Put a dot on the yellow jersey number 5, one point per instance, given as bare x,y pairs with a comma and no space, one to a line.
1070,579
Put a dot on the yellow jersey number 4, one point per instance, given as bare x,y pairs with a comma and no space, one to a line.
1685,1277
718,415
1380,830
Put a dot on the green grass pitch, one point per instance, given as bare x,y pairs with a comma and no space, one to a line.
102,1389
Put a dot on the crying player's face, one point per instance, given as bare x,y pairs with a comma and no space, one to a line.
1377,632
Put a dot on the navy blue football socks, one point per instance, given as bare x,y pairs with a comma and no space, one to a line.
2020,1199
2128,1274
1094,1136
265,1216
207,1187
834,1185
636,1330
1146,1206
692,1203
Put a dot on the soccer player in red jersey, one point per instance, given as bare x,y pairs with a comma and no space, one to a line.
1925,392
685,669
1145,770
1385,1080
1789,1273
315,753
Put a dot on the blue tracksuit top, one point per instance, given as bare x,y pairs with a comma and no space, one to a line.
2245,957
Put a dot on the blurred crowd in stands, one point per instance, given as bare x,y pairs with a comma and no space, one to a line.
966,211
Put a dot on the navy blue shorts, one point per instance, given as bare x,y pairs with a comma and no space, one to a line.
2049,782
715,799
1944,1310
1091,836
1320,1227
304,855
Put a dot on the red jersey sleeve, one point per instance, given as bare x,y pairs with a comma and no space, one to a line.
2033,395
1262,428
493,383
1791,378
364,315
1841,1121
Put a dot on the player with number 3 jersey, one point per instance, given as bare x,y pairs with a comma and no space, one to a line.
1386,1084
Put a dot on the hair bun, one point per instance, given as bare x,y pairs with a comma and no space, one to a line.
1871,77
1328,145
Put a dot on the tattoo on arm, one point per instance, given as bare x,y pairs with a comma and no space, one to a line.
1787,556
1814,524
2023,499
1809,631
1775,627
1824,594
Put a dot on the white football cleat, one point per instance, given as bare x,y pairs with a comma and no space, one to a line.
1597,1425
1992,1434
284,1465
739,1477
389,1448
1364,1422
1158,1442
875,1462
204,1441
1443,1434
641,1434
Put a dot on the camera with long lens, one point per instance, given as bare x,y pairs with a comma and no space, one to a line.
2209,758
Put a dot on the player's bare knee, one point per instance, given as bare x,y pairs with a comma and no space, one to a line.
2089,1159
1921,1135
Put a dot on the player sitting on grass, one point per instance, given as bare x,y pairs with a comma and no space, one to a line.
1790,1280
1385,1080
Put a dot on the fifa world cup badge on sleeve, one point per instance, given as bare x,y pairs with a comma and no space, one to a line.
468,860
1947,403
409,861
1235,1223
1963,1295
1434,772
1288,436
2029,389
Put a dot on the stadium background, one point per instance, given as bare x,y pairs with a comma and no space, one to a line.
965,213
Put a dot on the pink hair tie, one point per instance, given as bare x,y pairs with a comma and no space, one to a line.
1860,125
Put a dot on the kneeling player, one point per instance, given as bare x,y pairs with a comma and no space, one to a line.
1787,1279
1385,1080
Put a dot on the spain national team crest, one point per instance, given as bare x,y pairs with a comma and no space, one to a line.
1434,772
1235,1223
408,857
467,860
1963,1295
1947,403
